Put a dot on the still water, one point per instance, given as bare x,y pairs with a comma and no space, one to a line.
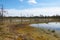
49,25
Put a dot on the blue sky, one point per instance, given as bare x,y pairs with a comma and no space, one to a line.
17,4
23,6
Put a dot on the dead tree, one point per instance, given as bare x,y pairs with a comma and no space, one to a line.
1,14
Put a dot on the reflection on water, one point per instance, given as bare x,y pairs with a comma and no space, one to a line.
50,25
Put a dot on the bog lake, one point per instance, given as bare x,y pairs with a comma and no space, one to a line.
49,25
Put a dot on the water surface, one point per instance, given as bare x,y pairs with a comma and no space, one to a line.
49,25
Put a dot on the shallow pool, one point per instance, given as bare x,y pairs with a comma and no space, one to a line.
49,25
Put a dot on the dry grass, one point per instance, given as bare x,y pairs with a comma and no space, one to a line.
16,31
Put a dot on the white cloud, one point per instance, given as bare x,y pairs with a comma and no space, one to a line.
21,0
32,2
35,11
